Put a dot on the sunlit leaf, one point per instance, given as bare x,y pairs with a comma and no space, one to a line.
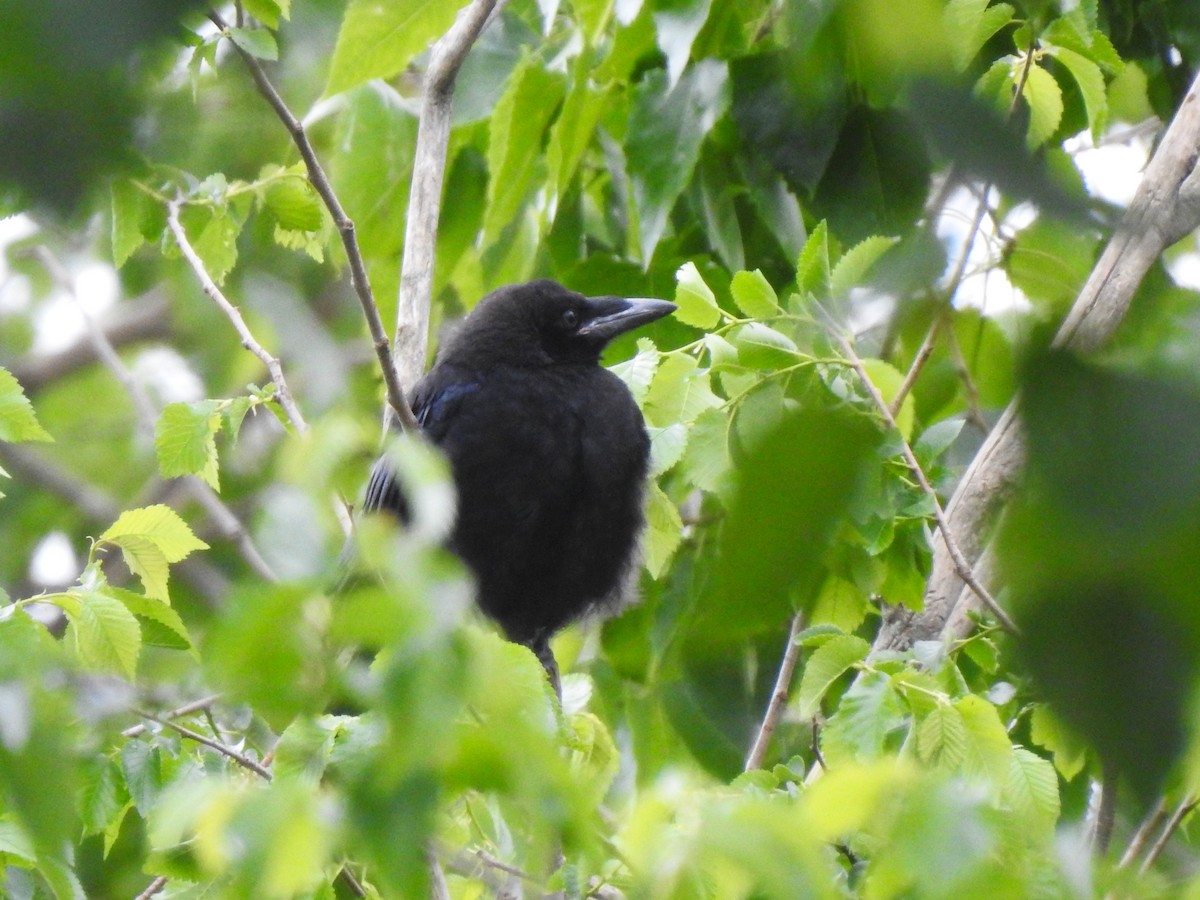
17,420
185,440
825,666
754,295
695,299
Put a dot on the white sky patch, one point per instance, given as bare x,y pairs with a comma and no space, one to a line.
16,293
1112,171
1185,269
59,323
53,563
167,375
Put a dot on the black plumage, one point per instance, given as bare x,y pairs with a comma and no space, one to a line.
548,451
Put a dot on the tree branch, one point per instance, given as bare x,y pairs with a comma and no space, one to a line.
241,759
425,199
221,515
1165,208
345,226
1173,823
961,567
185,710
779,696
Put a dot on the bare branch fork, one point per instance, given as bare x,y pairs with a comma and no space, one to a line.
1165,208
345,227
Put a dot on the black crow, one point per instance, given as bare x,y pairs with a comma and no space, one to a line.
548,452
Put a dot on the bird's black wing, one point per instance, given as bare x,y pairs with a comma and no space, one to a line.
435,400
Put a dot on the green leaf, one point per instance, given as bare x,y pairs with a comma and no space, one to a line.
678,118
159,524
377,40
141,762
150,538
130,210
515,140
269,12
14,841
888,380
1044,97
695,299
103,798
258,42
664,531
761,347
970,24
638,371
852,268
754,295
573,129
17,420
826,665
1031,791
666,447
213,234
1070,753
679,392
676,26
868,713
706,461
1129,95
812,268
987,751
942,737
185,440
1091,86
840,605
161,625
107,636
294,204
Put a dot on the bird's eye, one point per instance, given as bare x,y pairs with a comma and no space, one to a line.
570,318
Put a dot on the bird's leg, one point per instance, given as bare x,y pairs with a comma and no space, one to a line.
540,646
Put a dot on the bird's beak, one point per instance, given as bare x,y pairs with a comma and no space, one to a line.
616,315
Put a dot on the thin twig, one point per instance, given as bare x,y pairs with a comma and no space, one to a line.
974,410
438,889
186,710
240,758
779,696
923,353
1106,810
961,566
1141,837
147,414
153,888
352,883
343,223
1181,811
282,392
425,198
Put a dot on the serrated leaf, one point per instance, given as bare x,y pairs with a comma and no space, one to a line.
127,204
721,353
573,129
812,268
664,531
162,526
1070,753
107,636
377,40
258,42
213,234
103,797
852,268
294,203
666,447
867,714
1044,97
1129,95
142,764
987,750
185,440
679,392
1088,77
515,138
638,371
17,419
840,605
678,118
695,299
234,413
888,380
761,347
754,295
1031,791
269,12
14,841
970,24
161,625
826,665
942,737
706,461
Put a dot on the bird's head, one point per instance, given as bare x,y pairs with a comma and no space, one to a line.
542,323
